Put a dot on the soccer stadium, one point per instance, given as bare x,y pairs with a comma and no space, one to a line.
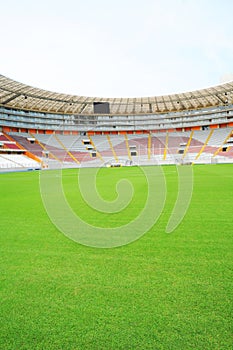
158,288
41,127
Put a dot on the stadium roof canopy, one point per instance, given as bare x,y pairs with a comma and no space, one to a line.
20,96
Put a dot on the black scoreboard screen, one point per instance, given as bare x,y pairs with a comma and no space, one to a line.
101,107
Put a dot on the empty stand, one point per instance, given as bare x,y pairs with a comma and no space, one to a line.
200,146
17,161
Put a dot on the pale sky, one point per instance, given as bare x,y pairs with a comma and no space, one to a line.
123,48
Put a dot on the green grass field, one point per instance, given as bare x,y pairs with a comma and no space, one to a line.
163,291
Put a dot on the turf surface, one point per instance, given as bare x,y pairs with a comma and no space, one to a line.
164,291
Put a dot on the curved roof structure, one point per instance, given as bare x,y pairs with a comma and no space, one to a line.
20,96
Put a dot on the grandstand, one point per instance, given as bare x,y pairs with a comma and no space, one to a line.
46,129
162,291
